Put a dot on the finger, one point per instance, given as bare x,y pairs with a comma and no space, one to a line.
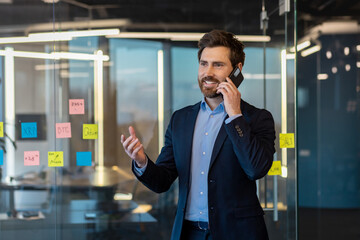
132,131
229,88
127,141
136,150
132,144
122,138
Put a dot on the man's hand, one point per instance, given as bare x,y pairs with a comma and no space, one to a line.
232,97
134,148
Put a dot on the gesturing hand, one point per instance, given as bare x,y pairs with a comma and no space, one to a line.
134,148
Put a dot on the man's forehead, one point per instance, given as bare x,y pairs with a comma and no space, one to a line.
221,53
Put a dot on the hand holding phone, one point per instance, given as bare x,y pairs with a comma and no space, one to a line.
236,77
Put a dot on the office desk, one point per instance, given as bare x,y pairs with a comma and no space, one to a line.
102,181
111,219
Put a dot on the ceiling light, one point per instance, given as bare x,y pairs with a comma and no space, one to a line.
83,33
50,1
346,51
358,64
334,70
184,36
328,54
358,48
301,46
322,76
311,50
347,67
11,40
56,55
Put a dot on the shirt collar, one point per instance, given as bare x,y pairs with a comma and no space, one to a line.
219,109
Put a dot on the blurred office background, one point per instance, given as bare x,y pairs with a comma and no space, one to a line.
135,63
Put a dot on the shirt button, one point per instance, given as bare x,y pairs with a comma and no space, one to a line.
203,153
201,193
211,116
206,134
200,212
202,173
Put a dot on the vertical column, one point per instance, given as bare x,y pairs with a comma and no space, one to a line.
10,110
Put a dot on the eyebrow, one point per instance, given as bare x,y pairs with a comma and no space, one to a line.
216,62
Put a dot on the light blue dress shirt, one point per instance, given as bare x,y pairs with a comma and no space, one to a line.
207,126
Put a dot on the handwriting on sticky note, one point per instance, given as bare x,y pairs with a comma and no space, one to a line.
1,129
1,157
275,168
29,130
63,130
31,158
76,106
83,158
287,140
90,131
56,159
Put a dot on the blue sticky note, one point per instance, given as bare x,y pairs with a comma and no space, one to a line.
83,158
29,130
1,157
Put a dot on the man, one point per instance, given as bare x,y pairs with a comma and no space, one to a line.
217,147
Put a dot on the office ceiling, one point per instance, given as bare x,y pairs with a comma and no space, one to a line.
18,17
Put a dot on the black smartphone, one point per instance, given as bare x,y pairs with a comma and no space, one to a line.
236,76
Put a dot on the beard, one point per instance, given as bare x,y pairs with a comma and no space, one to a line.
208,92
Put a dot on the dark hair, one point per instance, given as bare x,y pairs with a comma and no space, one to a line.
217,38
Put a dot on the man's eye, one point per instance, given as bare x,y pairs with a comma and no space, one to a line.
203,63
217,64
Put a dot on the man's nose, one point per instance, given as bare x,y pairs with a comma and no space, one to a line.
209,71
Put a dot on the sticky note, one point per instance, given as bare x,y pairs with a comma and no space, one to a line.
275,168
1,129
287,140
29,130
90,131
31,158
63,130
83,158
1,157
56,159
76,106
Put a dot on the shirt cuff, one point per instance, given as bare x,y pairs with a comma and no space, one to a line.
139,170
232,118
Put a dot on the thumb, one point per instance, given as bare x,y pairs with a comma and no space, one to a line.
132,132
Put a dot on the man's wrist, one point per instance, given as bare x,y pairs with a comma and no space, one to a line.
139,165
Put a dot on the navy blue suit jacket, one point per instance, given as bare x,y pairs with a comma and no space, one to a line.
243,152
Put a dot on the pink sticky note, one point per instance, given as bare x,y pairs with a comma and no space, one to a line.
31,158
76,106
63,130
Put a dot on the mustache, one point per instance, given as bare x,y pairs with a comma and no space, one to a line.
210,79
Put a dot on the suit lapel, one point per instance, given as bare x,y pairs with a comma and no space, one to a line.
222,134
188,139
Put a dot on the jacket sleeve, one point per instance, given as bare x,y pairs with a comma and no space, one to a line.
159,177
254,143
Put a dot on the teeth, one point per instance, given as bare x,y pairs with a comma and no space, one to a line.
208,82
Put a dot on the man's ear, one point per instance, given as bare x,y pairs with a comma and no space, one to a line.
240,66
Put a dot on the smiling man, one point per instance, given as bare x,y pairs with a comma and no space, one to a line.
217,148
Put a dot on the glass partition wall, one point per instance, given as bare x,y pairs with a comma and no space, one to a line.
66,101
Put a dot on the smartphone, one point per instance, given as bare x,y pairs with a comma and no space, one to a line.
236,76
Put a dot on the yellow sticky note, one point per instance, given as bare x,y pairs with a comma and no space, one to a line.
90,131
275,168
1,129
287,140
56,159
